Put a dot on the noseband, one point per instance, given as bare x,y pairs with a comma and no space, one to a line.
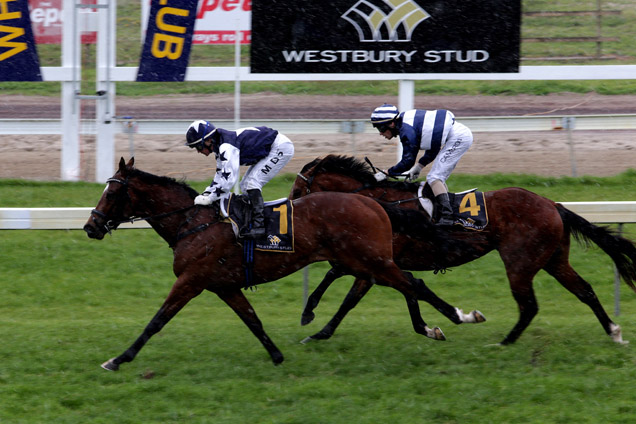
109,225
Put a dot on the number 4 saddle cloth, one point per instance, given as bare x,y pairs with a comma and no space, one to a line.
469,207
279,222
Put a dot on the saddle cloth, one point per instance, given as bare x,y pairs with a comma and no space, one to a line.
469,207
279,222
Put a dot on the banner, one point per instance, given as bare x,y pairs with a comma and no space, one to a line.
386,36
18,56
46,18
218,21
168,40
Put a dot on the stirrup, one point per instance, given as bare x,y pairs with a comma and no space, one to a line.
254,232
445,221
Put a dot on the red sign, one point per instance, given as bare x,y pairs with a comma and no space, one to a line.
46,20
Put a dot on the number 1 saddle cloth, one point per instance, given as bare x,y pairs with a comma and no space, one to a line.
279,222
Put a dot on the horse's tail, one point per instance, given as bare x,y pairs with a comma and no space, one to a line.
621,250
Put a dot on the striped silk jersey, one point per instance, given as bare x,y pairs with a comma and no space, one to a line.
421,130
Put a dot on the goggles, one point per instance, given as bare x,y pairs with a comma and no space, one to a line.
385,126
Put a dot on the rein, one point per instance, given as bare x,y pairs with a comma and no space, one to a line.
309,180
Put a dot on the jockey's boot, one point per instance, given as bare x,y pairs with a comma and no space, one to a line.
258,220
446,212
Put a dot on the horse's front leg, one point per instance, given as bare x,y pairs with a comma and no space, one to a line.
314,298
239,304
182,292
358,290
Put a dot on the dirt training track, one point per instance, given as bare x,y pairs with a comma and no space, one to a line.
599,153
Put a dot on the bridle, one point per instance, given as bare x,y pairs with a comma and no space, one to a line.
109,225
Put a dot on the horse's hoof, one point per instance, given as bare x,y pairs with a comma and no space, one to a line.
110,365
277,358
437,334
616,334
307,340
478,316
307,318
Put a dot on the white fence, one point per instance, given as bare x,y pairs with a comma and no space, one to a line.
27,126
75,218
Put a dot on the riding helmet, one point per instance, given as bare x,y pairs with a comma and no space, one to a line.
384,114
198,131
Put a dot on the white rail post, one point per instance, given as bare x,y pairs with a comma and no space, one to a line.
406,101
105,105
70,160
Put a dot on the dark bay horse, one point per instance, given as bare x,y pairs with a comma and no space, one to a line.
529,231
328,227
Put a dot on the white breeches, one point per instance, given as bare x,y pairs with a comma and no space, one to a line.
459,140
264,170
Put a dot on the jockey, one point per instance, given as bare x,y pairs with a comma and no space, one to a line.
263,149
435,131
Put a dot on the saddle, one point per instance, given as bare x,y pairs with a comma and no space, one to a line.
469,207
279,225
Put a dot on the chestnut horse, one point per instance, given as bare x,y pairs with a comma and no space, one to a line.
529,231
328,227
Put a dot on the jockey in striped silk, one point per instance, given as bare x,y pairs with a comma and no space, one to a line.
437,133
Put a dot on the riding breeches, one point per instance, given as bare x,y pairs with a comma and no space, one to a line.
261,172
459,140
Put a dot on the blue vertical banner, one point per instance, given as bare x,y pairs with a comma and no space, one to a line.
18,56
168,40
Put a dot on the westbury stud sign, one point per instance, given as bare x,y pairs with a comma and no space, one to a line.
401,36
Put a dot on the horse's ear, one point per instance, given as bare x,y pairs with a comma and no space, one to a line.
131,162
122,166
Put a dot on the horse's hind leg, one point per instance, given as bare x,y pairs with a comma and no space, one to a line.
560,269
406,284
179,296
358,290
314,298
239,304
523,294
454,314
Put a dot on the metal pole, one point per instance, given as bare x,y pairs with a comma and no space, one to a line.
305,285
406,101
237,86
617,283
568,124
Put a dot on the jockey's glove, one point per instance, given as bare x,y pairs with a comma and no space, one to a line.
380,176
204,199
414,172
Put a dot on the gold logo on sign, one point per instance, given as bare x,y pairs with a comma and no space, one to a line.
385,20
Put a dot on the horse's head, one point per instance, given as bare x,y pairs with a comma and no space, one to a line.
133,195
332,173
115,205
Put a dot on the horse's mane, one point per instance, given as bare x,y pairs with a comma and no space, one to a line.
356,169
162,181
